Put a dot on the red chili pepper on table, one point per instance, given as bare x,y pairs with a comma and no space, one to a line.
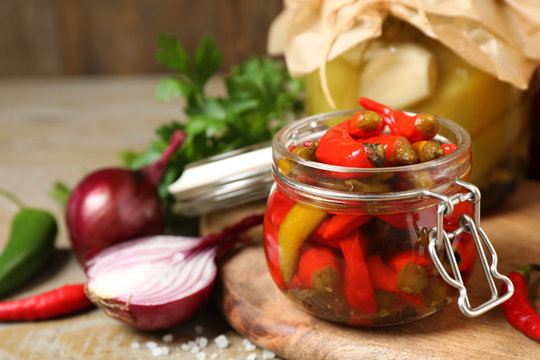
418,127
60,301
518,309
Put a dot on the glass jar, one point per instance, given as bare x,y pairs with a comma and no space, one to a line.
361,246
405,69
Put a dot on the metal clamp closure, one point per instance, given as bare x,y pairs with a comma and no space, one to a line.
439,239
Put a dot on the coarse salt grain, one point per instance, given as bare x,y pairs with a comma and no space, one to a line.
151,344
268,354
167,338
160,350
221,341
195,348
201,355
201,341
214,356
251,357
135,345
248,345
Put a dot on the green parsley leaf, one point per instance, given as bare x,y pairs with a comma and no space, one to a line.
261,97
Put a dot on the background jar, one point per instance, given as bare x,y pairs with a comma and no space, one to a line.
351,245
405,69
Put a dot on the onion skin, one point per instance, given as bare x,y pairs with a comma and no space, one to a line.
113,205
153,317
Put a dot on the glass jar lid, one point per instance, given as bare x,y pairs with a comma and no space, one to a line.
223,181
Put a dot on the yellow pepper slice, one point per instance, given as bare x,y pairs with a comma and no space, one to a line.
299,222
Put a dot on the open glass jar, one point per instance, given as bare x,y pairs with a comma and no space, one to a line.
373,246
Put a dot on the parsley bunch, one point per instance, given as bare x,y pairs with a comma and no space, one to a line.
261,97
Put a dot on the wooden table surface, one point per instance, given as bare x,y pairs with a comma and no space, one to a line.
58,130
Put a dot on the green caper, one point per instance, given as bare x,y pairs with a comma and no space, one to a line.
412,279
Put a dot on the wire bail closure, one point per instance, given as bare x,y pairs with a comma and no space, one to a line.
439,239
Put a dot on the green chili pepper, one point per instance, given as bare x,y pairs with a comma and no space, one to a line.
29,248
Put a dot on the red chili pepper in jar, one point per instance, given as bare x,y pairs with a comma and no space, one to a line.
61,301
382,276
518,309
338,147
417,127
318,268
448,148
341,224
357,285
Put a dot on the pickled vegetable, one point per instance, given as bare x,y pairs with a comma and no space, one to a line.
368,265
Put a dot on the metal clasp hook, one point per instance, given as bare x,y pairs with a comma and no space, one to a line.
439,239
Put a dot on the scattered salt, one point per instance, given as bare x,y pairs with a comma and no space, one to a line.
221,341
167,338
135,345
201,341
160,350
186,346
151,344
201,355
251,357
214,356
248,345
195,349
268,354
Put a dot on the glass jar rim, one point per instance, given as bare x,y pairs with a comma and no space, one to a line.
286,137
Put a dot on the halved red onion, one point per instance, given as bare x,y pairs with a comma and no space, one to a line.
157,282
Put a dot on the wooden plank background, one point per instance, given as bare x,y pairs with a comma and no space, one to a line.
74,37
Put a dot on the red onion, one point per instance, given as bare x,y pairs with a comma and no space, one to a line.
157,282
113,205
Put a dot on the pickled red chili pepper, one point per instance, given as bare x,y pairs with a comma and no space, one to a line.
382,276
448,148
397,148
318,268
298,224
358,290
417,127
518,309
342,224
338,147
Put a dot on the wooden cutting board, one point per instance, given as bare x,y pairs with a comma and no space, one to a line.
256,308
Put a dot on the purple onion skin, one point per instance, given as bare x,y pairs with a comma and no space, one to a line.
111,206
157,316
